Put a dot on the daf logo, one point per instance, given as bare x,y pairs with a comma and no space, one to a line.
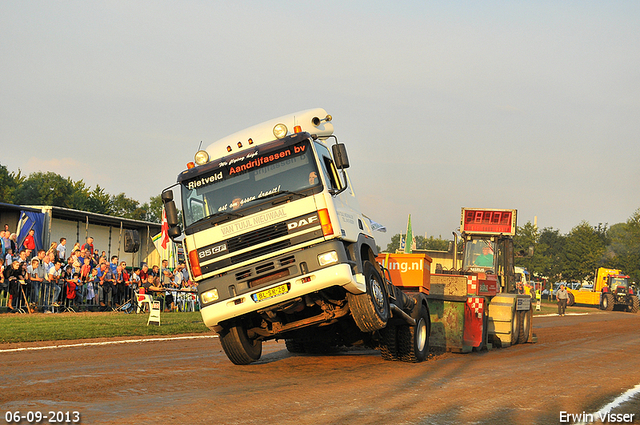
303,222
212,251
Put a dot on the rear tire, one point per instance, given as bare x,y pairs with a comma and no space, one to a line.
389,342
525,326
413,341
515,327
294,346
370,310
238,347
635,304
607,302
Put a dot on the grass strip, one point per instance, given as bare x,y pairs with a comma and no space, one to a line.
55,327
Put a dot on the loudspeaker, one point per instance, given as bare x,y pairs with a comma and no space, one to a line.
131,241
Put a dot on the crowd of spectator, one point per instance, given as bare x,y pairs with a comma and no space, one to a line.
50,280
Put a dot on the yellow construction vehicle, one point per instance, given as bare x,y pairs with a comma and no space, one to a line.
610,289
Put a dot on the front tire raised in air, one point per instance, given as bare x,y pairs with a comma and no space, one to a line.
370,310
238,347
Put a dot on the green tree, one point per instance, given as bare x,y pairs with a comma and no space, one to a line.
623,251
80,195
98,201
436,244
394,244
432,243
526,238
154,213
45,189
584,251
9,182
122,206
548,254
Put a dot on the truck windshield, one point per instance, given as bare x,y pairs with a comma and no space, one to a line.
233,183
478,254
619,282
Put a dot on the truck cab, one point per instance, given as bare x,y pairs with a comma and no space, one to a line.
610,289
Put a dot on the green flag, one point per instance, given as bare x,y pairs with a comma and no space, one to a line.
408,245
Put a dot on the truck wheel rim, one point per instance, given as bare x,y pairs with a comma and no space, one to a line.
376,291
421,335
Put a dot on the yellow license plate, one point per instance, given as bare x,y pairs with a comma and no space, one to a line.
270,293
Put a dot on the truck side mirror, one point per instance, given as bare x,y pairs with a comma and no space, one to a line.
174,232
340,156
166,196
172,214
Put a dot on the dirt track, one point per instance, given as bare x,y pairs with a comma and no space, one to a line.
580,363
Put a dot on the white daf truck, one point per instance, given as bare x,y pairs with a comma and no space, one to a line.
276,241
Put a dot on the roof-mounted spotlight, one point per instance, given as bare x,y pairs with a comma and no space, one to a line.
201,157
280,131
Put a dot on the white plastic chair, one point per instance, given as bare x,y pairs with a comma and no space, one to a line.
141,299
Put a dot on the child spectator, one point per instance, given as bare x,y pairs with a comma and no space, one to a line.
135,279
8,259
114,263
92,292
72,285
85,270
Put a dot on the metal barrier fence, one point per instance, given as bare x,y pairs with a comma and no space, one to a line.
90,296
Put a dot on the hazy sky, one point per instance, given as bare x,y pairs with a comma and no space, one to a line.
442,104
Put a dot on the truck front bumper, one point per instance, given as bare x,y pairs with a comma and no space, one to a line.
337,275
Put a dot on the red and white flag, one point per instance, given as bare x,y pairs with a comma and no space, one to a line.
164,229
